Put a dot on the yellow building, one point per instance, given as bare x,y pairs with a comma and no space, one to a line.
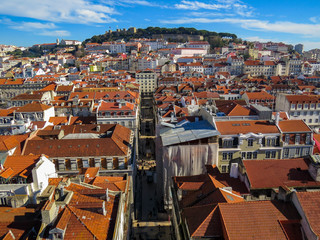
252,139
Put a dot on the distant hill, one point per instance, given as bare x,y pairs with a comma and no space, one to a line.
215,39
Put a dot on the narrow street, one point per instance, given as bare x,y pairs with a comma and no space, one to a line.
150,223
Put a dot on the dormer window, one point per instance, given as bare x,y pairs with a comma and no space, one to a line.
308,138
86,96
117,95
106,96
287,138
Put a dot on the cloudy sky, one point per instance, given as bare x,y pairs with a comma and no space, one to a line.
25,23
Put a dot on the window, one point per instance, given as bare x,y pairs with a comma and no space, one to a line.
230,156
267,154
286,153
273,154
243,155
306,106
224,156
254,155
249,155
223,168
297,139
268,142
250,142
85,163
310,120
297,151
307,151
299,105
227,143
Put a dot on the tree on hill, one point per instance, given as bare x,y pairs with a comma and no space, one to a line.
217,40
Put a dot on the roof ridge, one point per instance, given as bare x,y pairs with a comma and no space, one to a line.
205,220
69,207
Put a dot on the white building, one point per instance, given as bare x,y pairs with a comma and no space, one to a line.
302,107
188,52
148,81
19,185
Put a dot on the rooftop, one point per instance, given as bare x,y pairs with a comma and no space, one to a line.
186,131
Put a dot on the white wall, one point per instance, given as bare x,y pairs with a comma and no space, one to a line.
41,173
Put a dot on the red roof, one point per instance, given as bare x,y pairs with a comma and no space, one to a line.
278,172
310,203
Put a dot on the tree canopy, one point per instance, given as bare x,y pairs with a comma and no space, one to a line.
214,38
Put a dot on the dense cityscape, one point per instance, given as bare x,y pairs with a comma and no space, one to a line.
159,133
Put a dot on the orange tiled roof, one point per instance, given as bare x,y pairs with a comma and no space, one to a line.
294,126
259,95
290,173
310,202
90,174
256,219
244,127
19,165
33,107
8,142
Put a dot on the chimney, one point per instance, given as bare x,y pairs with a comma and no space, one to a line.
107,195
277,118
234,170
314,167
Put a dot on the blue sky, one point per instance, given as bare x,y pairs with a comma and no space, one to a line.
27,22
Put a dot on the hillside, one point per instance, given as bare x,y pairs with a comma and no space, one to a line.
215,39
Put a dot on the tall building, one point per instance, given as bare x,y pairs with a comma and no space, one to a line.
147,80
299,48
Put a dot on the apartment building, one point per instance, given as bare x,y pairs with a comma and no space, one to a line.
148,81
257,68
297,138
247,140
302,107
72,147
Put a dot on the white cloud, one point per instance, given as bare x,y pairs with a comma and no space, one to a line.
31,26
258,39
230,6
310,45
195,5
132,3
56,33
314,19
38,28
243,10
211,14
72,11
307,30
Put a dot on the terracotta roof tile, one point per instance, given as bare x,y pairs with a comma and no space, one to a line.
293,126
290,173
256,220
20,165
236,127
310,203
33,107
7,143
